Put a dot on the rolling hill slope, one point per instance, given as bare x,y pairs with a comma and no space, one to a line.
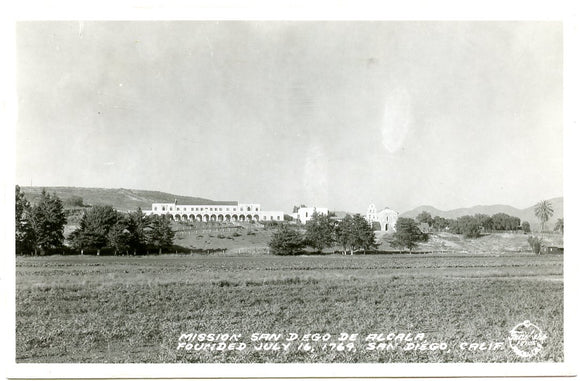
526,214
121,199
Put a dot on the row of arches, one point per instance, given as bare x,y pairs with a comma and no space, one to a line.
214,217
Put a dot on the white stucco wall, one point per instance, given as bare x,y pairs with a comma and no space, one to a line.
305,214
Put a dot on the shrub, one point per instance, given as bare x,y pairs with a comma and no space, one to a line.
526,227
408,234
286,241
535,244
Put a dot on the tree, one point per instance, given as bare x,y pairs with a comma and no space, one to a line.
440,223
363,234
559,225
469,226
24,232
424,217
94,228
297,207
140,222
535,244
343,233
407,234
286,241
543,211
526,227
159,235
47,220
354,233
484,221
319,232
122,236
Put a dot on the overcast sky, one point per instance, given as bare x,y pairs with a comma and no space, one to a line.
335,114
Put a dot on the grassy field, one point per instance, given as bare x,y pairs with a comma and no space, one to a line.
134,309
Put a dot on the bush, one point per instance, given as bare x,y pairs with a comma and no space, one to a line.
286,241
526,227
535,244
408,234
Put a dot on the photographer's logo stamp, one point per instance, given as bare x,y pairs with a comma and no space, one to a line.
526,339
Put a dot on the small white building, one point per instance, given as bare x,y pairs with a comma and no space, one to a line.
387,218
304,214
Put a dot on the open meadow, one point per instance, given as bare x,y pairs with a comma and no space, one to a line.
436,308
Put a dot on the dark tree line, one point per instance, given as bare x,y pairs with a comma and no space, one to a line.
102,227
40,228
473,226
352,234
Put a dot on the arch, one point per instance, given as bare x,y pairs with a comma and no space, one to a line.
191,217
177,217
228,217
184,217
206,218
249,217
220,218
256,217
242,218
199,217
235,218
170,216
212,218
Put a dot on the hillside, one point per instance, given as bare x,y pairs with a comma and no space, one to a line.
121,199
526,214
496,243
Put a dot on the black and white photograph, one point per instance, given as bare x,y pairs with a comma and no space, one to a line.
246,191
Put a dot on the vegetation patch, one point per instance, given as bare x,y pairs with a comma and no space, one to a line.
128,309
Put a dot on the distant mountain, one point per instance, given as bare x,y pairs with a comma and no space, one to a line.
121,199
526,214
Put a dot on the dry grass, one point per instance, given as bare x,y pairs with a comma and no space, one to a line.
107,309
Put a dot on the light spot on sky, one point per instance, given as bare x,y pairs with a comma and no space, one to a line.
396,119
283,113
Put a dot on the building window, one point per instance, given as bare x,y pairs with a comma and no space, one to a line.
249,208
155,208
278,218
306,214
256,209
163,208
177,208
271,218
170,208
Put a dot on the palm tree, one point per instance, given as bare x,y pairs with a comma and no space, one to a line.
543,211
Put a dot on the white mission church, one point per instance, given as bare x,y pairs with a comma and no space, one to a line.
387,218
